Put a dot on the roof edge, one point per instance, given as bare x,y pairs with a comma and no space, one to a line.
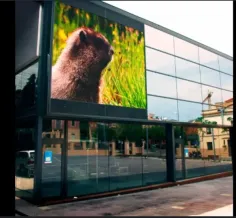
164,29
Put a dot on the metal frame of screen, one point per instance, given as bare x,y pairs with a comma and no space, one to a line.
80,109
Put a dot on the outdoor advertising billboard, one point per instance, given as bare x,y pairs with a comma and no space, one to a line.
96,61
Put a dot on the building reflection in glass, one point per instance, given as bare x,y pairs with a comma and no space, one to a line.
25,88
162,108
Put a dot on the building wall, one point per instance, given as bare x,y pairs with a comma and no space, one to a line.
180,75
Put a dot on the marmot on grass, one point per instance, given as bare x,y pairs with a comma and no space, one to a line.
77,72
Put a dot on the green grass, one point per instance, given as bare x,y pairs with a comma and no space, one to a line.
124,77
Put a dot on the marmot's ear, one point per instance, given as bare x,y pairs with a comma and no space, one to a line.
82,35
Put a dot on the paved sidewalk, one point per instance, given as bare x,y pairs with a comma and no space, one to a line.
187,200
223,211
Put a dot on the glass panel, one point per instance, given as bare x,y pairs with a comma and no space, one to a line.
221,113
189,90
52,139
226,65
159,40
193,152
179,154
25,87
126,149
217,155
24,159
213,94
87,159
162,108
160,62
208,58
188,111
154,162
210,77
226,95
186,50
226,81
156,85
187,70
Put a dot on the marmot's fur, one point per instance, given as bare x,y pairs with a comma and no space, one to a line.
77,72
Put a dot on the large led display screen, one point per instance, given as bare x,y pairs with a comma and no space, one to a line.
96,60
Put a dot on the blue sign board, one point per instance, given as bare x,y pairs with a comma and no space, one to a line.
48,157
186,154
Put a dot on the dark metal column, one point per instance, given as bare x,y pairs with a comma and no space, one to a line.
45,57
38,160
64,161
45,37
183,154
170,153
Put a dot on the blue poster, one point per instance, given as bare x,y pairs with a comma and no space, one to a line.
48,157
186,152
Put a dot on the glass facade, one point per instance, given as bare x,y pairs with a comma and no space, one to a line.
24,158
202,151
190,80
52,141
64,157
105,157
26,87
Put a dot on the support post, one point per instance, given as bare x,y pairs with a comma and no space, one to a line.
64,161
37,195
170,153
183,154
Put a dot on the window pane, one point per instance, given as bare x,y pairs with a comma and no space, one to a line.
52,140
160,62
126,143
226,81
210,77
208,58
226,65
154,163
162,108
87,159
179,154
25,87
187,70
216,96
24,160
156,85
193,152
186,50
158,39
189,111
226,95
189,90
216,148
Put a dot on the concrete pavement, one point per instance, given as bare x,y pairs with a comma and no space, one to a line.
223,211
187,200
